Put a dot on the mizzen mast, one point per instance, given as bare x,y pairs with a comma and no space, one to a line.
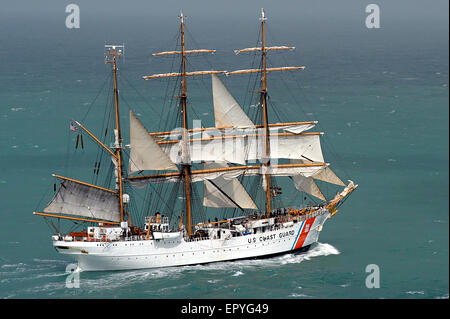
263,49
113,53
186,165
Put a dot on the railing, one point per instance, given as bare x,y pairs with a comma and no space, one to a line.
315,213
196,239
283,218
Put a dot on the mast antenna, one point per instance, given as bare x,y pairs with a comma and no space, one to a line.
113,51
181,16
263,15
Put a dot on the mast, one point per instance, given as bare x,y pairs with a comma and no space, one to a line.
186,167
265,161
113,52
79,198
265,118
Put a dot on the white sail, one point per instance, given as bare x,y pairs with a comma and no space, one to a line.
220,192
145,153
241,148
286,146
297,129
227,111
208,150
231,173
232,129
77,199
327,175
307,185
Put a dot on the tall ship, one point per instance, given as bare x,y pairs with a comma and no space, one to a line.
181,174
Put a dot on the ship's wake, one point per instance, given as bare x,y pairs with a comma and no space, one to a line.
234,268
48,277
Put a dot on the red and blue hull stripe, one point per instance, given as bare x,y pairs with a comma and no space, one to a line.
303,232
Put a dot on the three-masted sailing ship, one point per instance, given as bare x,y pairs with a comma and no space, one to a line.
220,157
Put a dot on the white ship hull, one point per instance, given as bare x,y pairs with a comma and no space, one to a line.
168,252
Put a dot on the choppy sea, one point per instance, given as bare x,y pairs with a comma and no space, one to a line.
380,95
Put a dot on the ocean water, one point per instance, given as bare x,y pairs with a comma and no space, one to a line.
380,95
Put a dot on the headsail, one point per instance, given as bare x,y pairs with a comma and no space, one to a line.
307,185
325,174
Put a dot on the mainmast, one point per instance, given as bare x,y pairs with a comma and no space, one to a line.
266,161
185,165
183,97
113,53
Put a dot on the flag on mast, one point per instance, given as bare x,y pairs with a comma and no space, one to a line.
72,127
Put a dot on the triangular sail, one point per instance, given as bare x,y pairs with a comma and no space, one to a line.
220,192
145,153
325,174
227,111
307,185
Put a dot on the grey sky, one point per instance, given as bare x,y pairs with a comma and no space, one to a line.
401,10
